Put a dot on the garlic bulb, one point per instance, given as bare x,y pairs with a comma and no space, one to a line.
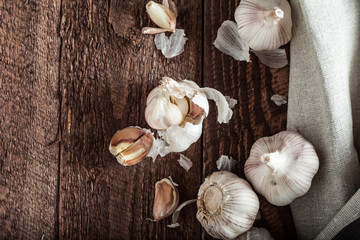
264,24
227,206
166,199
255,234
161,15
281,167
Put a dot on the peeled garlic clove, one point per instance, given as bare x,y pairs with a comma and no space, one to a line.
161,16
272,58
264,24
255,234
166,199
171,46
229,42
282,167
227,206
130,145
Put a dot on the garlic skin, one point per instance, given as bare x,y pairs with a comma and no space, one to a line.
130,145
264,24
281,167
171,46
166,199
162,16
255,234
227,205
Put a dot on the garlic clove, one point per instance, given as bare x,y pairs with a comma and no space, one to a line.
227,206
166,199
161,16
229,42
130,145
282,167
264,24
272,58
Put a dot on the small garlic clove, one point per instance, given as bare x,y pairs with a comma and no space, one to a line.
166,199
161,16
227,205
229,42
130,145
272,58
264,24
282,167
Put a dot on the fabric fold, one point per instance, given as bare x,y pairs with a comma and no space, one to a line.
324,106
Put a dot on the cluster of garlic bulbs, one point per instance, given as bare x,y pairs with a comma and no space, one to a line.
263,26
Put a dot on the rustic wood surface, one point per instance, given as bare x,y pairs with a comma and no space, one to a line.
72,73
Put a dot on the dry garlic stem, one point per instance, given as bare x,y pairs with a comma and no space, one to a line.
282,167
264,24
166,199
227,206
161,15
130,145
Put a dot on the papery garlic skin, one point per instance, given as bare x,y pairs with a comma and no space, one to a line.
282,167
227,205
166,199
255,234
264,24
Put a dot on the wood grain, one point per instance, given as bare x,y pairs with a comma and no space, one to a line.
29,116
73,72
107,69
255,115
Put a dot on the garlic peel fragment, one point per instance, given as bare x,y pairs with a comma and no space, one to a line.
282,167
272,58
229,42
227,206
255,234
185,162
231,101
278,99
176,214
171,46
224,111
225,163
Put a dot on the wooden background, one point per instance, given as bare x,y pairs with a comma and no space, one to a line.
73,72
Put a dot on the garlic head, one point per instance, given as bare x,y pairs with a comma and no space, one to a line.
227,205
173,104
130,145
166,199
281,167
264,24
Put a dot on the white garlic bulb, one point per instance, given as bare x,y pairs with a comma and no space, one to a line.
255,234
227,205
282,167
264,24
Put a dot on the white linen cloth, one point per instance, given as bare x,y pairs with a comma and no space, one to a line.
324,106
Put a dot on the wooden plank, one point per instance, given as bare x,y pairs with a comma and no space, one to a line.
107,69
255,115
29,114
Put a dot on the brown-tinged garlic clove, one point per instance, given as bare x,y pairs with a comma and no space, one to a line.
130,145
166,199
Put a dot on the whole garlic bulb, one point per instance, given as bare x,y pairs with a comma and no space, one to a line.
282,167
264,24
227,205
